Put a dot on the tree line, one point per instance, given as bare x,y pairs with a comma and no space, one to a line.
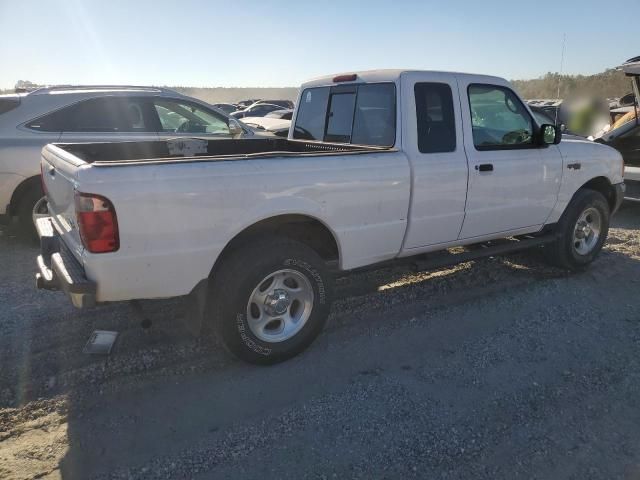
608,84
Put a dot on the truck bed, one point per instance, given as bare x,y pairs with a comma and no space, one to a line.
202,149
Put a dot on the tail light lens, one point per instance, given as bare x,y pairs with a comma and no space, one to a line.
97,223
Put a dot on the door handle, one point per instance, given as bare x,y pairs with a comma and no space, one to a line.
574,166
485,167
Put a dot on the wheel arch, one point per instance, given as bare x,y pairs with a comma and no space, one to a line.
303,228
602,185
21,190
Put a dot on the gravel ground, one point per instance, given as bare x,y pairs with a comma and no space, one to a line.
500,368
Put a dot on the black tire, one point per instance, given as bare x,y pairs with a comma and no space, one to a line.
563,252
241,273
25,211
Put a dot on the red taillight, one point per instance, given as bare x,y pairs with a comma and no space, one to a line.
345,78
97,223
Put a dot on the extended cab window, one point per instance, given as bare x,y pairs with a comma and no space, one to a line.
498,118
185,117
361,114
435,118
340,120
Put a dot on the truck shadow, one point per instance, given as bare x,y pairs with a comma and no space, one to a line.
116,406
45,356
124,431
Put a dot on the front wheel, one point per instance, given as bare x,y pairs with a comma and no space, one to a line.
270,299
582,231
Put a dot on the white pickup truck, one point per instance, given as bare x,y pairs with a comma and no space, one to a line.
378,165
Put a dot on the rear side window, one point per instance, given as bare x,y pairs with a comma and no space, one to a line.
105,114
53,122
361,114
435,118
312,114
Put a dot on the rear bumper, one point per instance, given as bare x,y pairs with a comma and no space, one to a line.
58,269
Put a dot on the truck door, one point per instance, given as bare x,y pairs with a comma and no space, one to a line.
513,182
432,139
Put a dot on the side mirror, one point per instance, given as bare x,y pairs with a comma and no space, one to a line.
235,129
550,134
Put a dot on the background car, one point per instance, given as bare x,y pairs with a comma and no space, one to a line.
286,104
276,125
226,107
256,110
28,121
542,115
242,104
285,114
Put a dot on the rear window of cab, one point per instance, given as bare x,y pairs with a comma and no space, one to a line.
362,114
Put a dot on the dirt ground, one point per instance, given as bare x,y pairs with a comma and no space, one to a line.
501,368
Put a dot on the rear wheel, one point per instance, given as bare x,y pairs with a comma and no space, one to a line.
583,230
270,300
30,205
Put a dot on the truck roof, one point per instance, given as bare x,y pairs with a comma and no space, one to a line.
393,75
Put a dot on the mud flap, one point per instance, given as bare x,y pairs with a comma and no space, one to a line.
196,307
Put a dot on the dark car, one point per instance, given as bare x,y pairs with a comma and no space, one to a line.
256,110
624,134
246,103
226,107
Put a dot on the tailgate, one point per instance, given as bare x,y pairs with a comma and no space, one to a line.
60,178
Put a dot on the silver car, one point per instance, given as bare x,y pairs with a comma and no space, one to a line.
28,121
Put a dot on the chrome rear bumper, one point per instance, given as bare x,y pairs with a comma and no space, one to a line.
58,269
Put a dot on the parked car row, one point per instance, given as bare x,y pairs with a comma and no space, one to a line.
276,122
254,108
263,107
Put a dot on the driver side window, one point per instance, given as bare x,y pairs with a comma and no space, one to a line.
498,118
183,117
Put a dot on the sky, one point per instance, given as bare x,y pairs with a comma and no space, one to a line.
269,43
